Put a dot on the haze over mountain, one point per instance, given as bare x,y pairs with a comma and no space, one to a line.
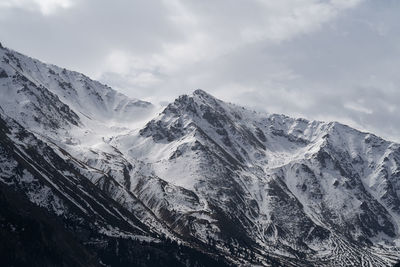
326,60
89,176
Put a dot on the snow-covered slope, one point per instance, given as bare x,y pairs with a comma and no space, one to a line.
32,79
248,187
292,187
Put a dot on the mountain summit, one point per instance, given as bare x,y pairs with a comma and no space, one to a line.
203,183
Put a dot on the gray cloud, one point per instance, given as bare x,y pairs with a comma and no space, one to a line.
326,60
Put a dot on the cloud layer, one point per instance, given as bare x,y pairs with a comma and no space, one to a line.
319,59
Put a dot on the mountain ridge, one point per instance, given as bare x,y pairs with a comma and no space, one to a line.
211,182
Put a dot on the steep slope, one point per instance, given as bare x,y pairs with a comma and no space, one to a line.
42,131
203,183
26,81
321,192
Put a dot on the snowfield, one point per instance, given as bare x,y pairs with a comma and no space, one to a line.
252,187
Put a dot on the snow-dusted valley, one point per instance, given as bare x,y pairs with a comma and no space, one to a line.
90,177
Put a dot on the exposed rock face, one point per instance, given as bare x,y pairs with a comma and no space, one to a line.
232,186
289,185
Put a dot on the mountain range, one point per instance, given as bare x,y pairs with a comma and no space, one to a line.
91,177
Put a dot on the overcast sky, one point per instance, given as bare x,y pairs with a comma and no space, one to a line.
318,59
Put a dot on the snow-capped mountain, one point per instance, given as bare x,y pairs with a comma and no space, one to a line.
202,182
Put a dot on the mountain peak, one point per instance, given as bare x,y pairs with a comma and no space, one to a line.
200,92
60,89
246,186
190,103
